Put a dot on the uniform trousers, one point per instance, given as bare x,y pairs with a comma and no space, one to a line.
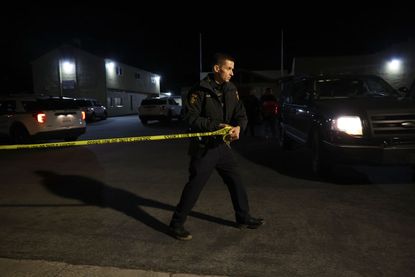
201,167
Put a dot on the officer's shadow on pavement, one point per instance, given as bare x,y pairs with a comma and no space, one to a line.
93,192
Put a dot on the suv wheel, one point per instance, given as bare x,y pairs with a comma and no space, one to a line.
20,135
284,142
71,138
168,118
143,120
93,117
320,165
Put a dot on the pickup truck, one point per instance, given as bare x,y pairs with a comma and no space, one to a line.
347,119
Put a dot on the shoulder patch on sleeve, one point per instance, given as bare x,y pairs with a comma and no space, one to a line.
193,98
237,95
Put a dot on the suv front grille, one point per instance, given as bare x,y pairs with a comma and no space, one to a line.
396,124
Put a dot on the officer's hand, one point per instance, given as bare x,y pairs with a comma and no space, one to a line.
233,133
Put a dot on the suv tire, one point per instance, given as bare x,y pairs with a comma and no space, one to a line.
93,117
71,138
284,141
168,118
143,120
19,134
319,163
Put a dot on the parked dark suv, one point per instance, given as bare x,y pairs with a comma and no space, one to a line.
92,108
348,119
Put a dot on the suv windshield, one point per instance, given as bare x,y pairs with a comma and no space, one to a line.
353,87
153,102
87,103
83,103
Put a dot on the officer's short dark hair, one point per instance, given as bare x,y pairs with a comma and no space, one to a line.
220,58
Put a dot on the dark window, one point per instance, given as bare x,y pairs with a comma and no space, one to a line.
117,102
82,103
49,104
352,87
172,102
339,88
118,70
153,102
380,88
7,106
299,91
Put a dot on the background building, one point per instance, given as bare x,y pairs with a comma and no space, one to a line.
396,64
72,72
253,81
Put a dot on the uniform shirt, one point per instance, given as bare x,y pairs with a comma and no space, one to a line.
206,109
218,89
210,104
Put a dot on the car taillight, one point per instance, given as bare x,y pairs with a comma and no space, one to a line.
40,117
83,115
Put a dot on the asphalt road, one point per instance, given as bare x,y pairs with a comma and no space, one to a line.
109,205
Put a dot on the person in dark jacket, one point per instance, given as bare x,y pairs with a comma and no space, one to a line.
211,105
253,111
269,110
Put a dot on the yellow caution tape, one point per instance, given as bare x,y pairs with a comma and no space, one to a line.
224,132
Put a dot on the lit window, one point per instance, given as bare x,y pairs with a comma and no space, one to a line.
116,102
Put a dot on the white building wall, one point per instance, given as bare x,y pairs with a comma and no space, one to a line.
123,102
127,86
124,77
45,72
120,88
88,76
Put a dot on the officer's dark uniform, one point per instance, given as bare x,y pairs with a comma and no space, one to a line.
209,105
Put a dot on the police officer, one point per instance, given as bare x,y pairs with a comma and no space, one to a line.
213,104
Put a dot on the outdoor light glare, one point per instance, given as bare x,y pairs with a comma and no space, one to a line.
68,67
155,79
394,66
110,65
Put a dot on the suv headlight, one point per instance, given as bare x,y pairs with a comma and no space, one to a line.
351,125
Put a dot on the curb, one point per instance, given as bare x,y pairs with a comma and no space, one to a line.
17,268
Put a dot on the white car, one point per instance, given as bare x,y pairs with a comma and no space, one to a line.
25,118
159,108
92,108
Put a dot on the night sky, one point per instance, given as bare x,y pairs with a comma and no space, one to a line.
167,42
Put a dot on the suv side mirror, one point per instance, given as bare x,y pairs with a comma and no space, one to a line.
404,91
310,95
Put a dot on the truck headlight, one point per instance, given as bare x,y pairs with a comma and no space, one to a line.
351,125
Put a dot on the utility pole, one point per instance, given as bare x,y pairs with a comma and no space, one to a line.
200,54
282,52
60,78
